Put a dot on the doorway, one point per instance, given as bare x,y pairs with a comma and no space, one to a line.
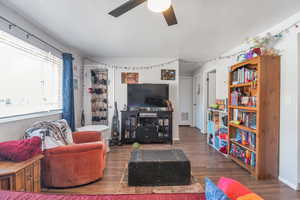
95,102
186,100
211,93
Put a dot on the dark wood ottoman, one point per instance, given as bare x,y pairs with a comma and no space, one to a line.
159,168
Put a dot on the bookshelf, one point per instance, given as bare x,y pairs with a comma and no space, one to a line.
217,130
254,114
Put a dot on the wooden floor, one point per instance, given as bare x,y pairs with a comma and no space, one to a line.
206,162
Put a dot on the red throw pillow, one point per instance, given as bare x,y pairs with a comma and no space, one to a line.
20,150
233,189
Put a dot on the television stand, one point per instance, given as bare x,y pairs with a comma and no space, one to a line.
146,127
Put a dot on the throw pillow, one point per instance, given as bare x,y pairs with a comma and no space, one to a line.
233,189
20,150
212,192
250,196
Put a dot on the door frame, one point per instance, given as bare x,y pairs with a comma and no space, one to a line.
194,106
197,82
207,96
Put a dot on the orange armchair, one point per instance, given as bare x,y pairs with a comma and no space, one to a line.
77,164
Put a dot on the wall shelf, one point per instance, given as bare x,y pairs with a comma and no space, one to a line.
242,85
243,165
243,127
249,109
243,146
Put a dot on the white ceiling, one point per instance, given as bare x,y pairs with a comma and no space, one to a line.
206,28
187,68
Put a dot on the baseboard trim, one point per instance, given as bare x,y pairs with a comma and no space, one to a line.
288,183
176,140
198,129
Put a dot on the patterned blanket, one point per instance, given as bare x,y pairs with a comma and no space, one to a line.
53,133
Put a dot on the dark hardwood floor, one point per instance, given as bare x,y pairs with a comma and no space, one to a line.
206,162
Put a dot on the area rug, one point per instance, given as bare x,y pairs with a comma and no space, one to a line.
194,188
35,196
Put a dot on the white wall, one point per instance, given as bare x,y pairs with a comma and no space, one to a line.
289,160
118,91
15,130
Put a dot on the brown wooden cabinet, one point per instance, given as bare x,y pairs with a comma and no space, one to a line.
21,176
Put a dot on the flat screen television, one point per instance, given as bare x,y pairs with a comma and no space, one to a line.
147,95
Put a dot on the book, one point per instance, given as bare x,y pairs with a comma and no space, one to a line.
245,138
239,99
247,119
244,155
243,75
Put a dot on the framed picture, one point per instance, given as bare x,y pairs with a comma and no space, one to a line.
130,77
168,74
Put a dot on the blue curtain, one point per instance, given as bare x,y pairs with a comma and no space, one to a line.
68,92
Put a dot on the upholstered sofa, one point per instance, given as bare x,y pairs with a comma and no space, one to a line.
77,164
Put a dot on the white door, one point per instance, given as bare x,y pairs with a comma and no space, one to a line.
186,100
197,106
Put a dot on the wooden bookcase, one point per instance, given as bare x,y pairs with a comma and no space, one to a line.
266,90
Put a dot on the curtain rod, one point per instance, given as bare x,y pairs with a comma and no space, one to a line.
30,34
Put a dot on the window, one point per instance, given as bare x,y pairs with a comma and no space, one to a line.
30,78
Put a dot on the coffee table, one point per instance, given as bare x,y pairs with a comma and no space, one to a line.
159,168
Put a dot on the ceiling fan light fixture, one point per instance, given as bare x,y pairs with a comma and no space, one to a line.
159,5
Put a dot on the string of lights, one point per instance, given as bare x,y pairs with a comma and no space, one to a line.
269,36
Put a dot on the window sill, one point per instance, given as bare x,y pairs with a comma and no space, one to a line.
30,116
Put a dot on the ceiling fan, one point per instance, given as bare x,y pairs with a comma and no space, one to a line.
162,6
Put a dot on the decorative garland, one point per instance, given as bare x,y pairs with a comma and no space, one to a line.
260,45
116,67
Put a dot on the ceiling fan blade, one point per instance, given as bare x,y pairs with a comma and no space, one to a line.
170,16
126,7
